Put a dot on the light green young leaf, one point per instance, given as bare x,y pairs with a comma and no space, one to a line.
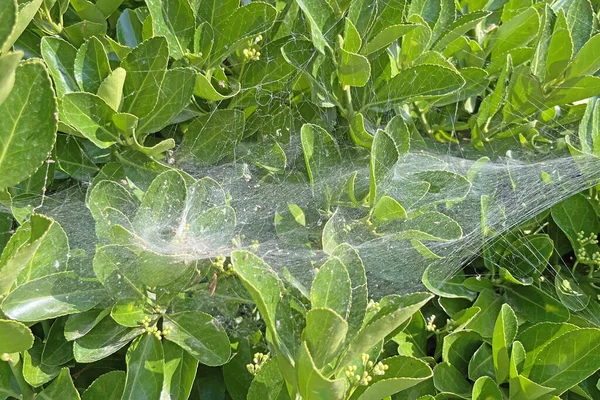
386,37
505,332
586,61
486,389
91,117
91,65
518,31
331,288
145,369
325,333
59,56
14,337
580,18
459,28
106,387
536,337
560,49
8,65
354,69
111,88
29,131
312,385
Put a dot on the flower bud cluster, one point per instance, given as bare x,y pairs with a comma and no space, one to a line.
257,362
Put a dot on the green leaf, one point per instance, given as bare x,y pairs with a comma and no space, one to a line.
574,90
36,250
61,388
572,223
8,14
573,357
59,56
91,65
312,385
536,337
486,389
320,152
402,373
199,334
458,347
111,88
399,310
129,27
57,350
560,49
516,32
91,117
180,371
211,137
106,387
505,332
28,135
145,369
262,283
176,92
448,379
535,305
14,337
130,313
528,257
490,304
386,37
324,334
73,159
145,66
482,363
79,325
459,28
52,296
104,339
174,20
331,288
35,372
586,61
320,16
26,12
8,65
354,69
580,18
116,268
268,384
449,288
420,82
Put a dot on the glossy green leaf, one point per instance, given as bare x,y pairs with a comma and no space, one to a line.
27,137
106,387
560,49
268,383
354,69
52,296
486,389
519,31
536,337
320,151
145,369
104,339
448,379
200,335
35,372
57,350
319,14
457,348
59,56
535,305
8,14
26,12
79,325
586,61
482,363
580,16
